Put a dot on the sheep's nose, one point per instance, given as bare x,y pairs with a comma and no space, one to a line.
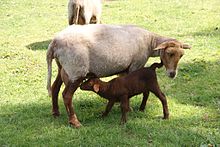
172,74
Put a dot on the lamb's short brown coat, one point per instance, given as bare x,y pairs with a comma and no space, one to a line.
122,88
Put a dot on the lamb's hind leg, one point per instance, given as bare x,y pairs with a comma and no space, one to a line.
156,90
67,97
124,108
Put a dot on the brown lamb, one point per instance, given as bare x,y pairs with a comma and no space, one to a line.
120,89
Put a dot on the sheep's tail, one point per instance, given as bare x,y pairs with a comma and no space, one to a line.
49,66
156,65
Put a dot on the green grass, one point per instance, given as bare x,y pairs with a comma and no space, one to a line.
26,28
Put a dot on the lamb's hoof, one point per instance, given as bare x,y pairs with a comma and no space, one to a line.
123,121
103,115
141,109
165,117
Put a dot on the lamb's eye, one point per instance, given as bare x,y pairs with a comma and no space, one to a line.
90,83
181,56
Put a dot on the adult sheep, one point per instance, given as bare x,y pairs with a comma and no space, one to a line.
84,11
104,50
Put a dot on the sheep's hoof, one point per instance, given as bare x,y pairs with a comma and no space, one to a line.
75,125
75,122
56,114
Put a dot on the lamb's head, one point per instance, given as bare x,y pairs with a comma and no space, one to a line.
91,85
170,54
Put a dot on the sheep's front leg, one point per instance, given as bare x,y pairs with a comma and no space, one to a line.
144,101
124,108
67,97
108,108
55,91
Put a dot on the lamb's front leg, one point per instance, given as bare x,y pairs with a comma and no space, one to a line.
108,108
124,108
144,101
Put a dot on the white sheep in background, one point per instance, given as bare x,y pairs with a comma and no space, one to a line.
84,11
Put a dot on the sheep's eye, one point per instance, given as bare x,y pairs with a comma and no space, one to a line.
170,54
181,56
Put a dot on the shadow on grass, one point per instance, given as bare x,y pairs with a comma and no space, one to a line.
212,31
42,45
215,31
197,84
35,125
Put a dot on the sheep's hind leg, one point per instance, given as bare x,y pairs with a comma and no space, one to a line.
67,97
55,91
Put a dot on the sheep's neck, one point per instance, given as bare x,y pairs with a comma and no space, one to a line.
155,42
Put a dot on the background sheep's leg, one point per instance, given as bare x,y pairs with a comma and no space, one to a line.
144,101
55,91
67,97
71,11
88,17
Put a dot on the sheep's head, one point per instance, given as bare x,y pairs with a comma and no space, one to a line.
170,54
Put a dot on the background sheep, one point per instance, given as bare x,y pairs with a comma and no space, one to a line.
84,11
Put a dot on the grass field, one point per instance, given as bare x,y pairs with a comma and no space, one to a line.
26,28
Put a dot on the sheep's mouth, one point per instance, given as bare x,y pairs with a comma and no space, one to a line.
171,73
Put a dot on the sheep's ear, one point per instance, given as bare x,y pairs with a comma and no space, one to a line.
161,46
96,88
186,46
159,49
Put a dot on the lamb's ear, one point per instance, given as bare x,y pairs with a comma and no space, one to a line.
186,46
96,88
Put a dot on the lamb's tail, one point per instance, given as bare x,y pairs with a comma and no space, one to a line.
49,66
156,65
